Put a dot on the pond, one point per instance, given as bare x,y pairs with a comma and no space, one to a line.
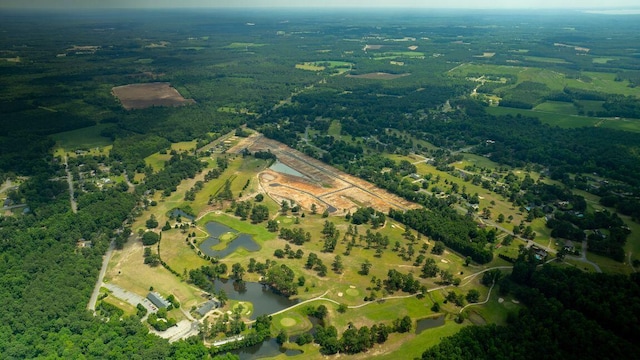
429,323
216,230
269,348
178,212
263,299
285,169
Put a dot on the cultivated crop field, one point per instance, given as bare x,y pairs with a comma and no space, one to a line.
141,96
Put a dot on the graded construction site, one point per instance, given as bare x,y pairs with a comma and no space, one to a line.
320,184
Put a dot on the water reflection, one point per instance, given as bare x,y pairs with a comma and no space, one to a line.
215,230
429,323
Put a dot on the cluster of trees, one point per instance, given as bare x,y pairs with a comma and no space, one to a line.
178,168
288,252
366,215
296,235
160,321
206,275
281,279
315,263
445,225
356,340
397,281
257,212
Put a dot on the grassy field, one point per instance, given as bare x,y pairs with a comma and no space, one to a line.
242,45
177,254
339,66
593,81
548,60
591,105
559,120
399,54
81,139
125,306
603,60
557,107
157,160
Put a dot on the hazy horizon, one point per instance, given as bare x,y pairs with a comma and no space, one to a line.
413,4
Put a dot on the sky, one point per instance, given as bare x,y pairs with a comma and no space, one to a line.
468,4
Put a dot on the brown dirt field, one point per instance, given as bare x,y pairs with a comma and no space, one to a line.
141,96
378,76
325,186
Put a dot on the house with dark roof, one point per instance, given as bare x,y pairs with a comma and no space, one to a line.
157,300
208,306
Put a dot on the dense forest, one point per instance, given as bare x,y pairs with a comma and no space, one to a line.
569,315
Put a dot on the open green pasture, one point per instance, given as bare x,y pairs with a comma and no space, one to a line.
399,54
157,160
177,254
591,105
242,45
603,60
592,81
632,125
81,139
555,119
557,107
549,60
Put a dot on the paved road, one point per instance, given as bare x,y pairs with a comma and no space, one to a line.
583,257
182,330
96,289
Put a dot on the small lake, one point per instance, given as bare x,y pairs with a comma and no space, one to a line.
215,230
263,299
177,212
282,168
269,348
429,323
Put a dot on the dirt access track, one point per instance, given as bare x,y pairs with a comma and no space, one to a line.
141,96
321,184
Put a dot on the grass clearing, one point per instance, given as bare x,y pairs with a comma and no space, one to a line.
123,305
157,161
556,81
559,120
603,60
557,107
548,60
82,139
177,254
242,45
127,270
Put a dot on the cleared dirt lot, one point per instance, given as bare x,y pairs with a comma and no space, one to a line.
323,185
140,96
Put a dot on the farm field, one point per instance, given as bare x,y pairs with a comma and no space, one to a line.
141,96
